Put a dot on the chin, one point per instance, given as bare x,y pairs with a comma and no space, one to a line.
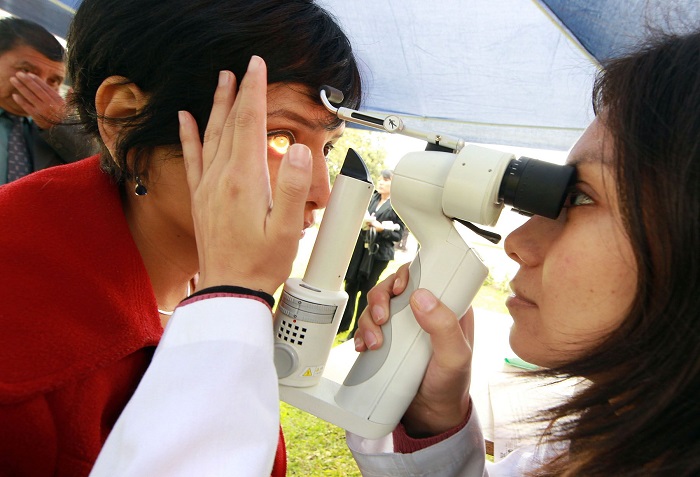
523,348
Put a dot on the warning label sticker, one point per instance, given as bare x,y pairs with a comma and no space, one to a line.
311,372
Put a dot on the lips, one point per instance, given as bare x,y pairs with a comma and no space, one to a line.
518,299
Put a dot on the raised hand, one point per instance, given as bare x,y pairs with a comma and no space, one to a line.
247,234
39,100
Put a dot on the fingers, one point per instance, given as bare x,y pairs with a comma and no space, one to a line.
401,279
191,149
442,401
37,92
369,332
292,189
23,87
27,106
224,97
249,120
451,348
38,99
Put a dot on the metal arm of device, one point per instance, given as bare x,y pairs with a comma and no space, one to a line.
390,123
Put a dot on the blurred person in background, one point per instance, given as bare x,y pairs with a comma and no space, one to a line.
374,249
35,132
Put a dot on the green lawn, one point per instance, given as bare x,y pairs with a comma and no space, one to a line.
317,448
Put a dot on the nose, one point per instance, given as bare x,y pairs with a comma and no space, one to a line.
528,244
320,190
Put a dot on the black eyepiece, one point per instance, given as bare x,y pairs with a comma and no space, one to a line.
534,187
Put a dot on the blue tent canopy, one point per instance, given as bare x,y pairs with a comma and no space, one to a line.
515,72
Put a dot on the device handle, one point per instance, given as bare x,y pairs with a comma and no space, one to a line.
383,382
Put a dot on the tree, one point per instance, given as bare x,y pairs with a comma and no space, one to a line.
370,145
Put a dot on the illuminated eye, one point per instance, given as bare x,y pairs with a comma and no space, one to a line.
280,141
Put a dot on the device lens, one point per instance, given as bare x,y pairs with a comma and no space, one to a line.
534,187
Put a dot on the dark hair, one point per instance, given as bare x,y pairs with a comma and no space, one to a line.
387,174
174,50
16,32
641,416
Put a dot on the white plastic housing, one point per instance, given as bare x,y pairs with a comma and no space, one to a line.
472,185
428,190
306,321
382,383
310,309
338,233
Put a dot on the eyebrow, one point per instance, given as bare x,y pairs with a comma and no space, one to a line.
314,124
26,64
586,158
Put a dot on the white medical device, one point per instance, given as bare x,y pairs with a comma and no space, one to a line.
431,190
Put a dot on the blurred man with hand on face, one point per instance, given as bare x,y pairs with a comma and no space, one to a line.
34,130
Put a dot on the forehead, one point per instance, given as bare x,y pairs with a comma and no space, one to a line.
23,55
298,103
594,146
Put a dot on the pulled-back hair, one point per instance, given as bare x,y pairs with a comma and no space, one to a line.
16,32
641,416
174,50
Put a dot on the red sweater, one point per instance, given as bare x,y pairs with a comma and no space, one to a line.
79,320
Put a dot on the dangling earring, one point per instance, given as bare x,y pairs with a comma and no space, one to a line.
140,189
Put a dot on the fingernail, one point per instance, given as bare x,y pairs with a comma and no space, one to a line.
223,78
398,284
425,300
254,63
378,314
181,117
299,156
370,339
358,343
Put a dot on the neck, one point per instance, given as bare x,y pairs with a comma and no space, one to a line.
168,251
384,197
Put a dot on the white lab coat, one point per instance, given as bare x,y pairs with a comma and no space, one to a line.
209,406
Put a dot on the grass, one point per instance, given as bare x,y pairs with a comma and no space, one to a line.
317,448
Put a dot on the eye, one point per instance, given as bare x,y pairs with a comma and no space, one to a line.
327,149
577,198
280,141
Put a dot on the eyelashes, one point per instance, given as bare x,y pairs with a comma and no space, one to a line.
576,197
281,140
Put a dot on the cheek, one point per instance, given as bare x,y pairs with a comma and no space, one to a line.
320,183
587,289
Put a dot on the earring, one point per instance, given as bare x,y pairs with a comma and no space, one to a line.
139,189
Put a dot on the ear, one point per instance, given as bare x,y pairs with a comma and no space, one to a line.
116,98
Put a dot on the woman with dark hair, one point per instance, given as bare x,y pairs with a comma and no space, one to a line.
96,255
607,292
